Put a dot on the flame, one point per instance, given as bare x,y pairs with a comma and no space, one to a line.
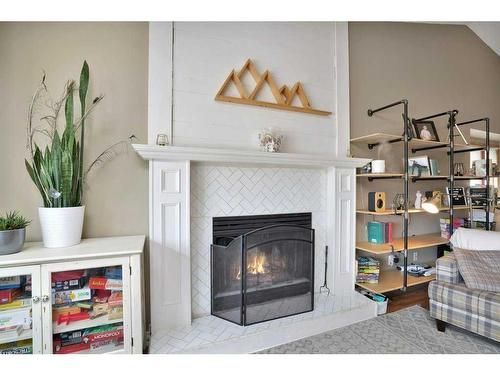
255,266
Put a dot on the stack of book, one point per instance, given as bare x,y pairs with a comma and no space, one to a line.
15,315
368,270
379,233
444,223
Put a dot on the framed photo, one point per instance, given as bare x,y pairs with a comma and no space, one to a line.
433,163
425,130
419,166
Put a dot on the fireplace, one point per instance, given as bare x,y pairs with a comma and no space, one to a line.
262,267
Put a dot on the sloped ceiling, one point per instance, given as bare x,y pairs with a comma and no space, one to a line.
489,32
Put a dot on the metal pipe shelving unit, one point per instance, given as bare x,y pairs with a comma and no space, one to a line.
406,138
452,123
406,179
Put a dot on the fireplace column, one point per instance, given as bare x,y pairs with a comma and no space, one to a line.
170,253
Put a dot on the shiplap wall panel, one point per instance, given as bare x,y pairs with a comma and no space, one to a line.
205,53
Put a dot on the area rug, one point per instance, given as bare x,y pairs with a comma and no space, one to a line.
408,331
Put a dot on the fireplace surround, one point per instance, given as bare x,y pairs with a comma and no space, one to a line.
262,267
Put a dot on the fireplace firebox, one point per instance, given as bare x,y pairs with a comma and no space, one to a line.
262,267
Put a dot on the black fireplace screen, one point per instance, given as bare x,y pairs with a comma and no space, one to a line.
264,274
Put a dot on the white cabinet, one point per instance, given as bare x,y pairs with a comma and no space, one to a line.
82,299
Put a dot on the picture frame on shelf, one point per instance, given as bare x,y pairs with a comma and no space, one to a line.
434,167
425,130
419,166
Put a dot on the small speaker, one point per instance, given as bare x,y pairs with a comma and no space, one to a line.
376,201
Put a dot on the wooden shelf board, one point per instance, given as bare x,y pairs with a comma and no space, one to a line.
375,138
82,324
389,212
414,242
393,280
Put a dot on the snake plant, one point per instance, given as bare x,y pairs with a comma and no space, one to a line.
58,170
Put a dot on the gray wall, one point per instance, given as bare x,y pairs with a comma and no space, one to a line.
117,193
437,68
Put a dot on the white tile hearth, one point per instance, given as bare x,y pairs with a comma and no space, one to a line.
232,191
210,334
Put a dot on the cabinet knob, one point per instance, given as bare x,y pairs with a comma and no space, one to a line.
45,298
35,299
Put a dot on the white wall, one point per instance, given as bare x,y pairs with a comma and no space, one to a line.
205,53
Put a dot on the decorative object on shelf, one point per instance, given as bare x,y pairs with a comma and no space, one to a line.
434,167
162,140
367,168
270,141
398,203
12,232
376,201
419,166
479,167
284,96
433,197
418,200
425,130
459,169
378,166
58,172
458,196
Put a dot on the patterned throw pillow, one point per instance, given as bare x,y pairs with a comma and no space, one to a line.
479,269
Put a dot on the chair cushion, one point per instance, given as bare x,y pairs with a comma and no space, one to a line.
457,297
479,269
475,239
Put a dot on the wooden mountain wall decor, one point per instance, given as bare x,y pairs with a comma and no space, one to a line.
284,96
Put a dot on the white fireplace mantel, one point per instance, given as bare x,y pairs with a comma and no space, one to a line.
170,219
219,155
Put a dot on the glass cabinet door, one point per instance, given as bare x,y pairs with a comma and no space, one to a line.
86,307
20,310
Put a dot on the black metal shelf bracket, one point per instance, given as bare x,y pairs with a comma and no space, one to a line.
372,145
384,178
414,150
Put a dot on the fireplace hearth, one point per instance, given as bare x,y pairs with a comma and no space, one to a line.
262,267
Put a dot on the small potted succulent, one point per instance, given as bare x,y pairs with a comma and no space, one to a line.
12,232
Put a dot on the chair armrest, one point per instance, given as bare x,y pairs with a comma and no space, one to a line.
447,270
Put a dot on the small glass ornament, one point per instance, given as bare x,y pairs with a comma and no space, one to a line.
162,140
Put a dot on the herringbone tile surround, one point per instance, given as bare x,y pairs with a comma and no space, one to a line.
230,191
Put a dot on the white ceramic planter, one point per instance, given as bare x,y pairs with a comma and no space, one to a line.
61,227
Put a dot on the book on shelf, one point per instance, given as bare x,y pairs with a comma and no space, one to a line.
379,232
22,301
10,282
444,224
17,347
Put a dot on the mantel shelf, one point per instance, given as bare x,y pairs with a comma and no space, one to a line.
202,154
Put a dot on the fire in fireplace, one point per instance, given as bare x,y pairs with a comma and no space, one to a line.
262,267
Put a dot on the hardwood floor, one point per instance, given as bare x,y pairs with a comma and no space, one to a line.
413,296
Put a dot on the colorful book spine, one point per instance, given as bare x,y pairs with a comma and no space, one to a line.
18,303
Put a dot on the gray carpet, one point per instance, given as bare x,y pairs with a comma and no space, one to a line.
408,331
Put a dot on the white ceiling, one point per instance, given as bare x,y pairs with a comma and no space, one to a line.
489,32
